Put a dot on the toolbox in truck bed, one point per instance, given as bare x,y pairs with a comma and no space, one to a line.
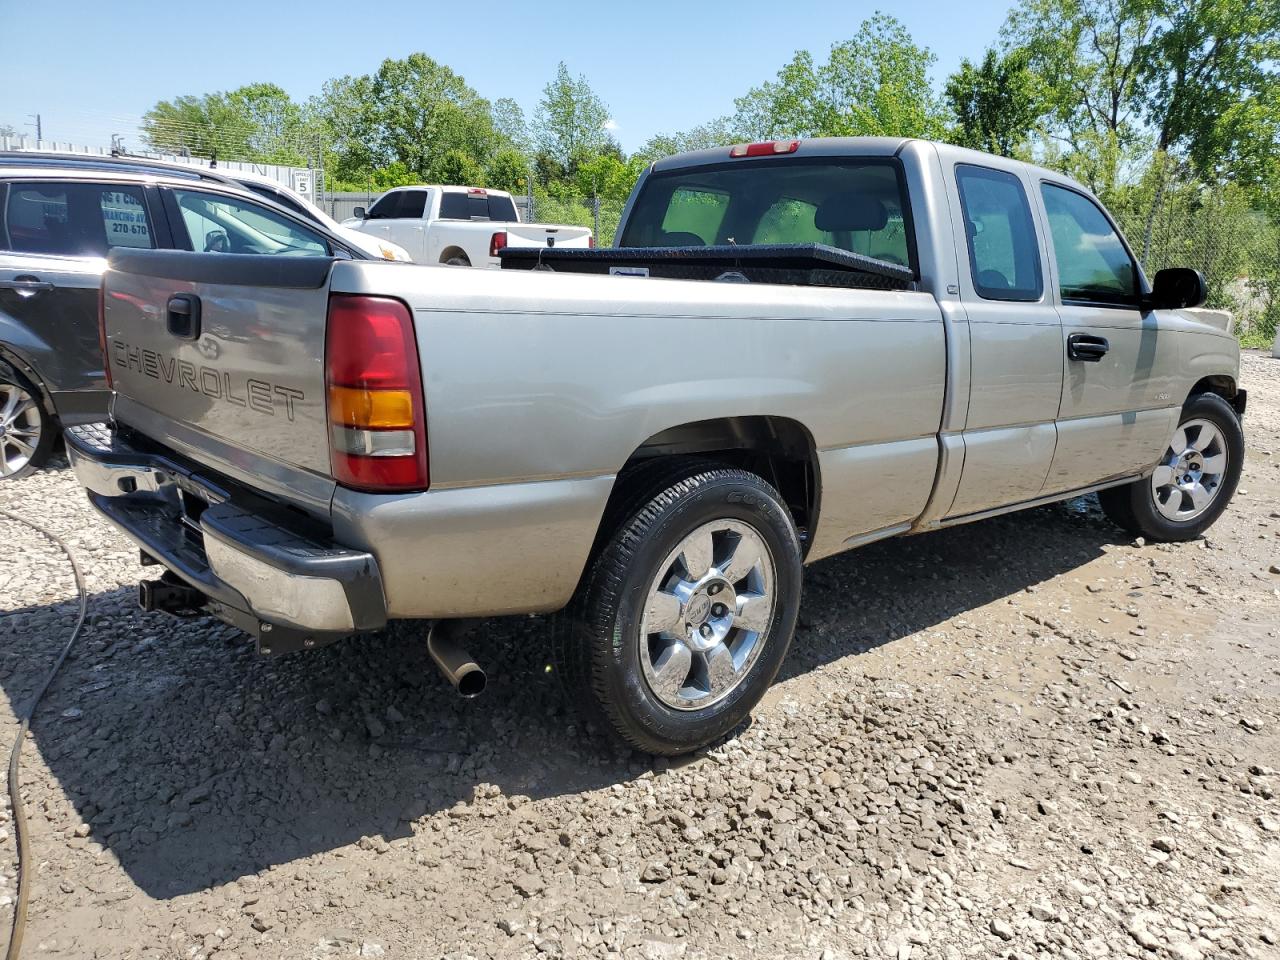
801,264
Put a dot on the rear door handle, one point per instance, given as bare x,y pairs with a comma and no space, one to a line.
182,316
1086,348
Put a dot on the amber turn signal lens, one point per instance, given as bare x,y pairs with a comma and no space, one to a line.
371,409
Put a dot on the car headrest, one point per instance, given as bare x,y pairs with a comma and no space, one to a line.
852,210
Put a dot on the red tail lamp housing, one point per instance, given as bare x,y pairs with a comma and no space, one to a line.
377,416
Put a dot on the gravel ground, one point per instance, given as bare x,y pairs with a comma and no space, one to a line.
1026,737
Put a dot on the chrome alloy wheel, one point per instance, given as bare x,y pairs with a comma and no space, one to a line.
19,428
707,615
1190,475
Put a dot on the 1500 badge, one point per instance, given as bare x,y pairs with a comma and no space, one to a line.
250,392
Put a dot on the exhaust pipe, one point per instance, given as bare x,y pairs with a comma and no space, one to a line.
454,662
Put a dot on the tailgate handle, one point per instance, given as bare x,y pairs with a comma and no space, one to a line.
183,316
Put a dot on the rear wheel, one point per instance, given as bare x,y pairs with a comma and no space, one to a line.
1194,480
26,431
458,261
687,612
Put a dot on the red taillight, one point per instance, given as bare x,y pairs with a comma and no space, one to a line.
591,241
497,242
102,332
377,418
768,148
477,192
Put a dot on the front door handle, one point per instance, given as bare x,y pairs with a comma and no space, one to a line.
183,316
1086,348
26,285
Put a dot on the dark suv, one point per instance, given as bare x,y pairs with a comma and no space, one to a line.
60,215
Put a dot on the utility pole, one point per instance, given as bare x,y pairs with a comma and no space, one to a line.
37,125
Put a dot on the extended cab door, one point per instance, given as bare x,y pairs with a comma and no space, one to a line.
1118,410
1015,340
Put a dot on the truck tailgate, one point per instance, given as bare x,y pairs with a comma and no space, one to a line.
543,235
220,356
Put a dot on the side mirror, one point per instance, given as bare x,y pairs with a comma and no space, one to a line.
216,241
360,212
1177,287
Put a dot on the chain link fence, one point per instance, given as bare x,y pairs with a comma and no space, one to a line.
1216,230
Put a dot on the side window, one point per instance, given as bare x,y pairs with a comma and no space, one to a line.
75,219
412,204
693,213
387,206
1093,264
454,206
1004,257
218,224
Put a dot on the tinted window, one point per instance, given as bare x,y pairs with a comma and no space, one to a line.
75,219
218,224
1093,264
386,207
476,206
854,205
412,204
1004,257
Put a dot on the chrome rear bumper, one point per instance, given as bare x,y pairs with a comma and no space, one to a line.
271,572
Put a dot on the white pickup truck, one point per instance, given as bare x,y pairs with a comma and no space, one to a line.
460,226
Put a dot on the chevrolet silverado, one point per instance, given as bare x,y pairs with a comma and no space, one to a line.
800,347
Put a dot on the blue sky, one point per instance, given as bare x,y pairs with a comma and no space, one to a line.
92,68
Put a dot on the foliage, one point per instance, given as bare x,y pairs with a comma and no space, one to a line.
571,120
415,112
258,122
996,104
876,84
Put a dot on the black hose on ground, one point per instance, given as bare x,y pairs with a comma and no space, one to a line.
24,716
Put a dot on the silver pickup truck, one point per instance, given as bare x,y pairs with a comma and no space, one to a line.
904,336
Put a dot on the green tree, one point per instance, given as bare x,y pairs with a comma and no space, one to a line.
510,125
508,170
415,112
716,133
1211,85
570,119
1089,55
258,122
996,104
459,168
875,84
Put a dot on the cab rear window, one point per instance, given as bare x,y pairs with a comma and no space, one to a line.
854,205
476,206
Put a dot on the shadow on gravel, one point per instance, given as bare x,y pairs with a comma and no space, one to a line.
197,762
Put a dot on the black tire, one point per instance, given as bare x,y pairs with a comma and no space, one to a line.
457,262
1133,506
598,636
35,418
